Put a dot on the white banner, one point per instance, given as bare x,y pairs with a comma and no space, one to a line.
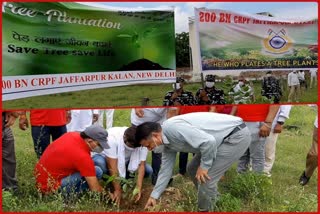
15,87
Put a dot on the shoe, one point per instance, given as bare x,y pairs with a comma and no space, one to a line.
267,174
303,179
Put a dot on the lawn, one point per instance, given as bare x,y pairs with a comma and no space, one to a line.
124,96
248,192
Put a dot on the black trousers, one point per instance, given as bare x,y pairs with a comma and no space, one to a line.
9,180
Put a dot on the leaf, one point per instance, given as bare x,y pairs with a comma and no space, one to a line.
110,179
135,191
124,187
124,36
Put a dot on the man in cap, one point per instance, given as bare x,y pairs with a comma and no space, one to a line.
218,140
271,88
66,164
210,94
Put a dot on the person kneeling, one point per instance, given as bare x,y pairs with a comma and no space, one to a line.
124,157
66,165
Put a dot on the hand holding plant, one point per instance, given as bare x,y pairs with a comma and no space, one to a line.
136,194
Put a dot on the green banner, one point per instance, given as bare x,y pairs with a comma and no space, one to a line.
51,48
64,38
233,41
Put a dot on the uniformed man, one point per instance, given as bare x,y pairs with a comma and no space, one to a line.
271,88
210,94
179,97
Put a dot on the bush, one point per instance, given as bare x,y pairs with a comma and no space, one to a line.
228,203
251,186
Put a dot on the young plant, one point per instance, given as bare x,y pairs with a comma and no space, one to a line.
138,38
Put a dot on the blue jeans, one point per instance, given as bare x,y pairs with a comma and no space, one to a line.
100,161
75,183
41,136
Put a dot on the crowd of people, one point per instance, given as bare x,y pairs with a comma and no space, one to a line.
242,92
83,151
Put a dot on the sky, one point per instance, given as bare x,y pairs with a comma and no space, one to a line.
287,10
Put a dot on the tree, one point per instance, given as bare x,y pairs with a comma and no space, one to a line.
182,49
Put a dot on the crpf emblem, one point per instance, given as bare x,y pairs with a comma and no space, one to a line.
277,43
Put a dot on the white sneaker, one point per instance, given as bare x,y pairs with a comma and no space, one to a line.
267,174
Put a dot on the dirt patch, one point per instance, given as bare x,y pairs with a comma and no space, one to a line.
166,203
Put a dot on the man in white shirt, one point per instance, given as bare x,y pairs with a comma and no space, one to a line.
123,157
294,85
158,115
242,92
141,115
218,140
81,119
270,147
109,117
313,77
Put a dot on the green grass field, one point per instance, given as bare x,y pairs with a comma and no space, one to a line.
124,96
250,192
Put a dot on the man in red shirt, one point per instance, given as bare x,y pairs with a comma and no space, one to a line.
44,123
67,166
258,119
